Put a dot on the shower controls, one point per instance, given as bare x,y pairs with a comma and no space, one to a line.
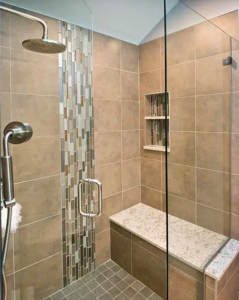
80,186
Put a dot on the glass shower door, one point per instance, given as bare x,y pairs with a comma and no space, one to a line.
54,246
202,147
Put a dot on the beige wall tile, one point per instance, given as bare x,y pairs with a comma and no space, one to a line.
157,155
131,173
26,285
5,70
40,157
151,197
235,227
10,287
111,206
213,113
181,181
151,174
129,57
24,29
213,219
232,268
106,83
35,74
5,28
150,83
182,114
131,197
235,71
235,194
142,115
35,242
211,76
107,147
149,269
41,112
235,113
210,40
181,80
231,289
120,230
213,151
107,116
234,159
213,189
121,250
182,148
149,56
5,104
130,115
106,51
130,86
180,47
180,208
130,144
102,247
39,198
111,178
211,283
9,268
228,23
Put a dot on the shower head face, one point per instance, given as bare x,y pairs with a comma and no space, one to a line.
21,132
44,46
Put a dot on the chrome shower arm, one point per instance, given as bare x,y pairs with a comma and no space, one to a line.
26,16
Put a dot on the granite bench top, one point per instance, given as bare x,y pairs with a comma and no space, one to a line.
190,243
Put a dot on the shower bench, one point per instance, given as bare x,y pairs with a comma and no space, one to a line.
138,245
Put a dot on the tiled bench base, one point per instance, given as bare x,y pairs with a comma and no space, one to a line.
147,263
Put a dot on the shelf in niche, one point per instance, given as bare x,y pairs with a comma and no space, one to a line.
156,148
156,118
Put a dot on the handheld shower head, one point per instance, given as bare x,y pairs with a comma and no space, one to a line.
20,132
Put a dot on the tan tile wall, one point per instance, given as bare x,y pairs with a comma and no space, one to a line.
30,93
117,150
203,154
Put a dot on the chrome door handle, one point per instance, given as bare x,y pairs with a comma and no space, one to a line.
89,181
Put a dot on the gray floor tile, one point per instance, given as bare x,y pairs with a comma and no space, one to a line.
116,268
49,298
87,278
129,279
108,273
90,296
122,274
114,292
99,291
130,292
84,290
74,296
92,285
58,296
115,279
77,284
107,285
100,279
102,268
146,292
138,297
106,296
122,285
110,264
122,296
155,297
138,286
68,290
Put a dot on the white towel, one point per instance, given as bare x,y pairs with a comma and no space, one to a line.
16,218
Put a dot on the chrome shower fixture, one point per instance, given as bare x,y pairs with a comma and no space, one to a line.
43,45
14,133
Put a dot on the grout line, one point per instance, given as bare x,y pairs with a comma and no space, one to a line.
195,134
38,262
116,69
122,199
36,179
28,224
117,162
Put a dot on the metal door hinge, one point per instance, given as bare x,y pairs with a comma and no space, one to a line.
227,61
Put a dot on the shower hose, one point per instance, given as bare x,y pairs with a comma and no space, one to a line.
5,249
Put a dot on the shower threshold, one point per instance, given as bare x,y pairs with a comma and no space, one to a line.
108,281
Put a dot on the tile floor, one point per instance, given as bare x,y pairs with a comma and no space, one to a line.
109,281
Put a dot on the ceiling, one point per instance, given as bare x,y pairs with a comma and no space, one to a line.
129,20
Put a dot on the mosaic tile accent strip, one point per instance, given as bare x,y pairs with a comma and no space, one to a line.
77,150
108,281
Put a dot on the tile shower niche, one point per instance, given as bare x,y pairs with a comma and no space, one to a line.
155,114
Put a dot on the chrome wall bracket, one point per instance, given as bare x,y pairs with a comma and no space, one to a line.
80,185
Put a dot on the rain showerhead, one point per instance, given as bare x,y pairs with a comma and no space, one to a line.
44,46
